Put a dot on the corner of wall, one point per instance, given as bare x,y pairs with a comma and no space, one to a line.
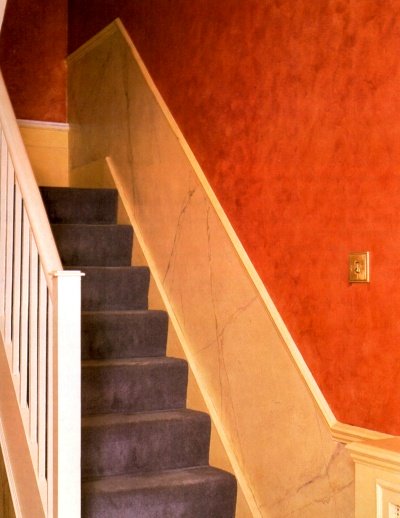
47,148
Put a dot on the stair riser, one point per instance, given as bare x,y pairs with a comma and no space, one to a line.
215,498
94,245
90,206
134,388
124,335
144,446
114,289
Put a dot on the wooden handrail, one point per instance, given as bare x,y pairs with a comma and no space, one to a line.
39,343
30,192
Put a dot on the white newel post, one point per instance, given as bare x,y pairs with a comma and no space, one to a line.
65,446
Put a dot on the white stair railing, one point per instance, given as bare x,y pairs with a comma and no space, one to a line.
40,331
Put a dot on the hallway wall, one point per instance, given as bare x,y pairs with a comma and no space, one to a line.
291,108
33,46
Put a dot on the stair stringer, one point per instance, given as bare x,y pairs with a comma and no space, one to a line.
270,414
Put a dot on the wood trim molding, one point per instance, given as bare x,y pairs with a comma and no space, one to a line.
59,126
381,454
95,41
347,433
340,432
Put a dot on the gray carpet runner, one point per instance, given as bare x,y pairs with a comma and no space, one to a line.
143,453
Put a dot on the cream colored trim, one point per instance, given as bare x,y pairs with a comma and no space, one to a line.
340,432
347,433
95,41
26,179
239,474
382,454
59,126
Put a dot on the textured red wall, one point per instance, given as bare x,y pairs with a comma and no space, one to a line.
33,47
292,108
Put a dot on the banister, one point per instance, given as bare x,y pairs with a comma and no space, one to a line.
39,343
30,192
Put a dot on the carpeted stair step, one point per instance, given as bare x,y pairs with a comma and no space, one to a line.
114,288
201,492
143,454
77,205
94,245
126,444
126,386
124,334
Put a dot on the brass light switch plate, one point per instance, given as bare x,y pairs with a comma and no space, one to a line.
359,267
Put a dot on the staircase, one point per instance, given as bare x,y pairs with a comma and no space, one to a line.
143,453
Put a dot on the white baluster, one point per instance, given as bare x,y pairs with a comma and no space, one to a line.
16,311
33,341
3,224
24,313
42,375
9,258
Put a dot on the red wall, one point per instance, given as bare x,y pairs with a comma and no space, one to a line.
293,109
33,48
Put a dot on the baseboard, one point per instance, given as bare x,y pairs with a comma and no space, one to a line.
26,123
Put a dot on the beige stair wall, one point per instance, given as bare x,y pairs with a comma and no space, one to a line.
47,147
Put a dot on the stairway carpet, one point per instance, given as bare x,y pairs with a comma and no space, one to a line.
144,454
76,205
133,385
123,334
201,492
94,245
145,441
114,288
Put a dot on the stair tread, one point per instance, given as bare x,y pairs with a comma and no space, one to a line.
93,244
193,492
114,287
122,362
108,268
91,225
122,312
166,478
101,420
129,333
75,204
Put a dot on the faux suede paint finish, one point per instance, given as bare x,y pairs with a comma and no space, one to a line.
292,109
33,46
